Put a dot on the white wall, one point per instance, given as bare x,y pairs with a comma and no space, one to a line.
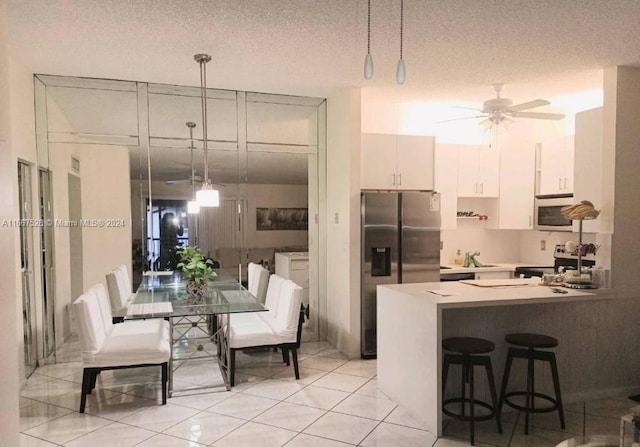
622,146
343,215
106,196
60,166
8,292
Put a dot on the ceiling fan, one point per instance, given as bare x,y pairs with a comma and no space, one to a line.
197,179
497,110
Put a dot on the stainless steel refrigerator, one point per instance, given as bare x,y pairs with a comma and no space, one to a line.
400,244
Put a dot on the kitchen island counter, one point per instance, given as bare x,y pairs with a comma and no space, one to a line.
596,333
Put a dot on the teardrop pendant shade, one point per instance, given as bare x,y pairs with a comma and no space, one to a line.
368,66
401,74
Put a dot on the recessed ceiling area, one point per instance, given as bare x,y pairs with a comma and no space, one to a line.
453,49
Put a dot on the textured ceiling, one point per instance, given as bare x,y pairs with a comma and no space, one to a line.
453,48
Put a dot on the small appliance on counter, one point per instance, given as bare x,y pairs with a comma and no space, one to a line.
566,262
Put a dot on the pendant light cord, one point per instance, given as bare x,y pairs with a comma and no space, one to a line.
401,25
203,85
369,27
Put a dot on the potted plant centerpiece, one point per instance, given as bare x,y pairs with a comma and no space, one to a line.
196,269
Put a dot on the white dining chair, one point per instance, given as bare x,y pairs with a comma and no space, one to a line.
107,346
280,327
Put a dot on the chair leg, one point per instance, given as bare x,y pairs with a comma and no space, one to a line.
285,355
94,377
556,387
232,367
494,396
530,387
445,374
86,385
505,381
472,412
294,353
165,376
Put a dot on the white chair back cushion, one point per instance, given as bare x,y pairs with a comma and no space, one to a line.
258,278
114,290
125,274
273,294
288,313
105,307
89,322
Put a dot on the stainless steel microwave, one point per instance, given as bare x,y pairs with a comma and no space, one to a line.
547,213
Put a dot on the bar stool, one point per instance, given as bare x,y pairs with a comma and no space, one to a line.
533,343
466,350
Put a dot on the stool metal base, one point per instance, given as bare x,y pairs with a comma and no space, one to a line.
468,362
530,394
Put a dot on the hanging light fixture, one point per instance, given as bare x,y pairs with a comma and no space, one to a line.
401,74
192,205
368,60
206,196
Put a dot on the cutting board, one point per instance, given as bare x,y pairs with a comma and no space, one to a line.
502,282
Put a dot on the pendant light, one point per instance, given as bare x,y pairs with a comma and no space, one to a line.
206,196
368,60
401,74
192,205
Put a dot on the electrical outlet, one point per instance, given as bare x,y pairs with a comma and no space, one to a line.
441,245
543,245
336,218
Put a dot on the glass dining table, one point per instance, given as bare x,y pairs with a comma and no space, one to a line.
199,324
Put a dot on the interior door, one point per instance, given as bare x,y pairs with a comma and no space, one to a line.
26,264
46,253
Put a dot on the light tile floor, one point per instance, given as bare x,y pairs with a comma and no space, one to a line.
335,403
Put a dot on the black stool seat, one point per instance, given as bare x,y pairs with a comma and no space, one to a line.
468,345
530,349
466,352
531,341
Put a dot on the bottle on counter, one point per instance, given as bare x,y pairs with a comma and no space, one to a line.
458,259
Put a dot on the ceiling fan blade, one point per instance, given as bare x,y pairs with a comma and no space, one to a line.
542,116
529,105
176,182
466,108
458,119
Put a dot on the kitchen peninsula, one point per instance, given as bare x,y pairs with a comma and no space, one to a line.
593,360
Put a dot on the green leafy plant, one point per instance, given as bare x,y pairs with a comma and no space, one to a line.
195,267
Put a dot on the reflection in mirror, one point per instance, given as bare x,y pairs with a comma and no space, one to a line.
134,168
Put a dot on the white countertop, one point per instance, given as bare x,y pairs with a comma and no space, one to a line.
465,295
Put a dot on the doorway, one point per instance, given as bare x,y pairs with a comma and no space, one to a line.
26,265
46,253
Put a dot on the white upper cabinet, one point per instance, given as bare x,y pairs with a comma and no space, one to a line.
589,166
478,171
517,175
401,162
556,166
446,183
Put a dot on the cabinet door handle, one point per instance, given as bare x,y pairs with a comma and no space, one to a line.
400,179
565,182
529,221
560,183
475,188
481,188
393,182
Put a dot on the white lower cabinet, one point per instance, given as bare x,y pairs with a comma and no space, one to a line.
494,275
295,266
